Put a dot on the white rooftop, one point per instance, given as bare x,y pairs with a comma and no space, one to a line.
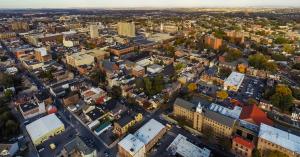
233,113
42,50
280,137
131,144
148,131
184,148
234,79
43,126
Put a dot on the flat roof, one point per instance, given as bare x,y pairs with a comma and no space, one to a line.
234,79
184,148
148,131
131,144
43,126
280,137
28,106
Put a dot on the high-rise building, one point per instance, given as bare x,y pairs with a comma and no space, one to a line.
19,25
213,42
94,33
126,29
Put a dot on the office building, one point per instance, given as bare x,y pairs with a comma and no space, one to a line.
44,128
94,31
126,29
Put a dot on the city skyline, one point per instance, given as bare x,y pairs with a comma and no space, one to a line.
10,4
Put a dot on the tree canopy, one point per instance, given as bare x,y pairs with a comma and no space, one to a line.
261,62
282,98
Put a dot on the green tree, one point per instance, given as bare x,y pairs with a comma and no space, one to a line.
282,98
233,55
261,62
158,83
8,94
288,48
148,86
116,92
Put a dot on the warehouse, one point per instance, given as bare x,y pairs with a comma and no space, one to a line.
48,126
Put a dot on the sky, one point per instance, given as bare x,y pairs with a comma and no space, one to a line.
144,3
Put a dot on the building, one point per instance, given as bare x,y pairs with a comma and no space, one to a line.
234,81
213,42
19,26
98,53
184,148
168,28
252,114
138,71
131,146
120,50
126,29
242,147
78,148
154,68
94,32
48,126
236,36
203,119
31,109
42,55
271,138
142,140
125,122
77,59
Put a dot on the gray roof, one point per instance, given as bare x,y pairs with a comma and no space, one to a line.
78,144
185,104
222,119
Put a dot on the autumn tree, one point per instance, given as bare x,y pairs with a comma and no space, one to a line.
192,87
222,95
282,98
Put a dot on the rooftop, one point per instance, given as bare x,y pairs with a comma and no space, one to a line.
131,144
28,106
45,125
184,148
185,104
280,137
234,79
244,142
253,114
233,113
148,131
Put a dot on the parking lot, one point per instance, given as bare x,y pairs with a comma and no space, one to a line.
250,88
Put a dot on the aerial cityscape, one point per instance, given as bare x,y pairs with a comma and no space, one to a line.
159,78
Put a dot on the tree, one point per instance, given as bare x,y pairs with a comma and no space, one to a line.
233,55
8,94
224,72
179,66
158,83
252,101
296,66
192,87
148,86
275,153
98,76
261,62
222,95
116,92
256,153
288,48
282,98
139,83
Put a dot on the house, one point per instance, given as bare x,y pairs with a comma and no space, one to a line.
125,122
78,148
242,147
